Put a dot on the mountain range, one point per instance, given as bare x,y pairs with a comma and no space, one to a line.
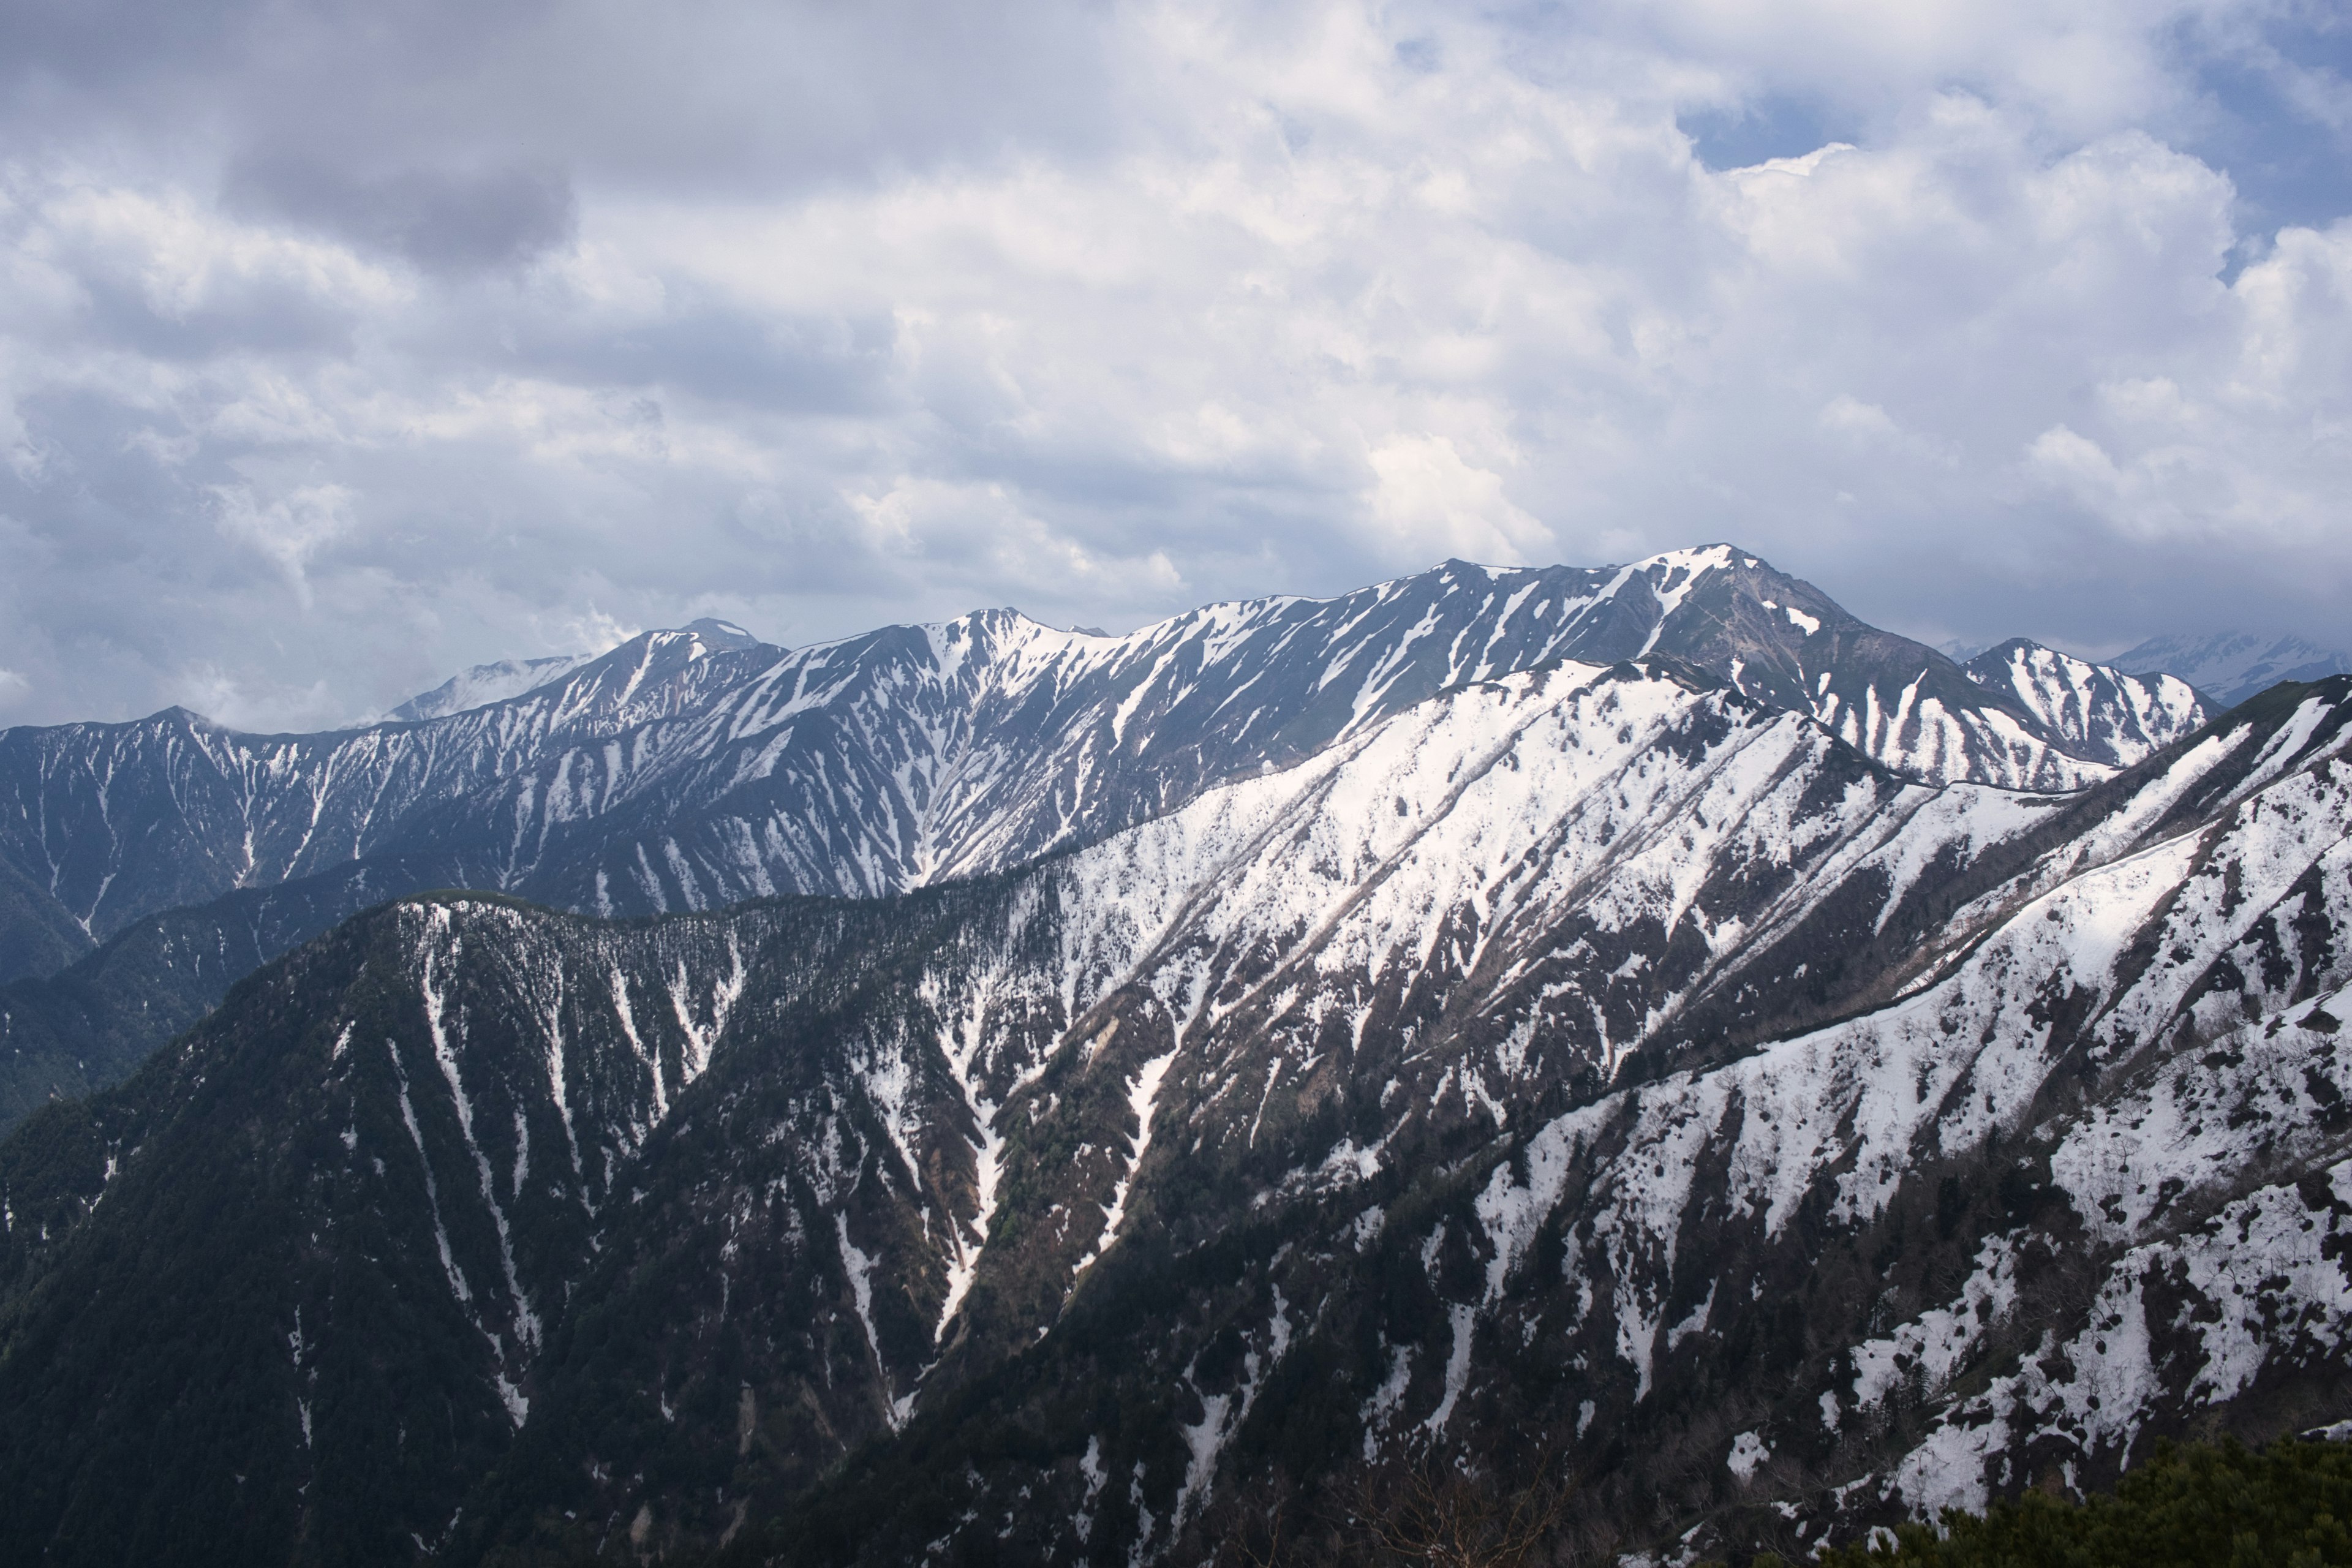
2230,666
691,769
986,1093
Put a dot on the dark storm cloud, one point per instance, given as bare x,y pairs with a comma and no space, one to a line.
701,95
723,353
107,47
459,222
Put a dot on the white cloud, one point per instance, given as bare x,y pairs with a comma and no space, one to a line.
1430,502
1259,300
588,630
289,529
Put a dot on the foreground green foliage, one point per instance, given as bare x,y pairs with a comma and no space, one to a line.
2209,1506
2189,1506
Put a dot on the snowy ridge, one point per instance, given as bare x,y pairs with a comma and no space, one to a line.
690,769
2098,712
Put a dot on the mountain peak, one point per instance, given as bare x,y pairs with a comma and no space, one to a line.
1704,558
2099,711
720,636
914,754
484,684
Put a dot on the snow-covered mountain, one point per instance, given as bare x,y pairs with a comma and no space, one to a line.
1589,1058
2230,666
2097,710
487,683
689,769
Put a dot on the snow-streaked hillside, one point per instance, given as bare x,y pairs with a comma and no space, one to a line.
1589,1053
686,769
2145,1044
2096,709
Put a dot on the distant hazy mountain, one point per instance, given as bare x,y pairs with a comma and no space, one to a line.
2230,666
487,683
484,684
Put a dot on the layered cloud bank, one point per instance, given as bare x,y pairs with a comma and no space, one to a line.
335,356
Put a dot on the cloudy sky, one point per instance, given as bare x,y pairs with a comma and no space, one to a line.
344,345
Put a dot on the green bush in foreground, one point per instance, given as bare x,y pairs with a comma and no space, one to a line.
2288,1505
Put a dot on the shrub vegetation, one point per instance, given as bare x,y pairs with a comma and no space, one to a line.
2288,1505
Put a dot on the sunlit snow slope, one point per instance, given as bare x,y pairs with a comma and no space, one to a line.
2096,710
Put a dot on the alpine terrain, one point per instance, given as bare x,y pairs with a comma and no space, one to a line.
692,769
983,1093
2234,666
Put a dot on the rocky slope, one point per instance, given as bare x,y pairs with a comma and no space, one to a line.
693,769
2098,711
686,770
1593,1059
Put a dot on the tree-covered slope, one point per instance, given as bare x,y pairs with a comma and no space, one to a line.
2189,1505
